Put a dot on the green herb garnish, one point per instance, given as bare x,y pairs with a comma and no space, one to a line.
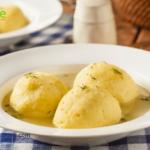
83,87
31,74
14,116
7,105
145,99
18,116
122,119
48,112
116,71
97,87
93,78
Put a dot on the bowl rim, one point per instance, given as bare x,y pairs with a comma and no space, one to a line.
130,126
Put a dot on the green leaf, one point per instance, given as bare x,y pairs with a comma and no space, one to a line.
145,98
18,116
116,71
83,87
48,112
14,116
123,120
97,87
93,78
31,74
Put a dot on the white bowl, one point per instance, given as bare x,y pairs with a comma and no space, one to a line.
70,59
41,14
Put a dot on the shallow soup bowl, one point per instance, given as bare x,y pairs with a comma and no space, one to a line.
71,58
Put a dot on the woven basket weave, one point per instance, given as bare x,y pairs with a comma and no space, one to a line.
134,11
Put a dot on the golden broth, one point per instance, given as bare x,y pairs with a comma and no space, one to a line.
139,109
48,122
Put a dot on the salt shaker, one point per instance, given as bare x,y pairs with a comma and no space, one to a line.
94,22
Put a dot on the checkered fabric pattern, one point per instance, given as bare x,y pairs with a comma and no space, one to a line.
58,33
61,32
9,140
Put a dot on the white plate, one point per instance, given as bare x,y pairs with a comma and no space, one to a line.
68,59
41,14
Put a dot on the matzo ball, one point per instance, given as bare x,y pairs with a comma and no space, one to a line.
37,94
87,107
113,79
14,19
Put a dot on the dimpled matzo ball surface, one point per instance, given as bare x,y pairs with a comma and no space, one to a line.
87,107
37,94
113,79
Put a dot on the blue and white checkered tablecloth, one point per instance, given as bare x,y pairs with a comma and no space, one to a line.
58,33
9,140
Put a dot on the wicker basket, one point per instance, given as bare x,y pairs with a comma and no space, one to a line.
134,11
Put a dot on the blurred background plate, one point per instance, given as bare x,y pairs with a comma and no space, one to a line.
41,14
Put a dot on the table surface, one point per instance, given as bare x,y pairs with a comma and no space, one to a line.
127,34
